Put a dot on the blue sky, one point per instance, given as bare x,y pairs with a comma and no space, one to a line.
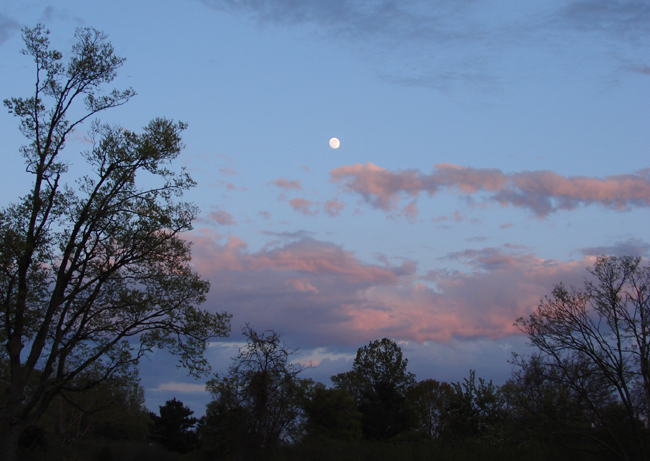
488,151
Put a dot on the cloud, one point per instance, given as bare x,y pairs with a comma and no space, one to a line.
541,192
228,171
179,387
290,235
287,185
411,211
441,43
333,207
303,206
623,19
222,217
264,214
455,216
641,69
302,285
320,294
629,247
8,27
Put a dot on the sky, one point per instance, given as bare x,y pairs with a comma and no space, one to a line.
488,151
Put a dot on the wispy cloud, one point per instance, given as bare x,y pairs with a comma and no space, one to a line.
179,387
8,27
287,184
541,192
303,206
628,247
222,217
228,171
290,235
333,207
440,43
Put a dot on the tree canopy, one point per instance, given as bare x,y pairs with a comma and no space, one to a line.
596,342
93,273
380,362
258,403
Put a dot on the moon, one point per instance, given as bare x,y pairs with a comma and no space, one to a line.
335,143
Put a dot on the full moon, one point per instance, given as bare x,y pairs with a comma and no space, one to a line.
335,143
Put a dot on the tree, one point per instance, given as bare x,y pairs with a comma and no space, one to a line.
260,400
429,400
378,382
92,278
598,342
545,412
113,409
174,428
474,411
331,413
381,361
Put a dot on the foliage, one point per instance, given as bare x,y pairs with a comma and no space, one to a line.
546,412
378,382
94,277
429,400
474,411
332,413
114,409
381,361
174,428
259,402
598,342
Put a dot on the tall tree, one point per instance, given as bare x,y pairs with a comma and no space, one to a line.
474,411
174,428
429,400
378,382
381,361
332,413
93,276
543,409
599,337
259,401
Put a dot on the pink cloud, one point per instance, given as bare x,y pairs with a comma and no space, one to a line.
301,285
411,211
333,207
287,184
542,192
455,216
323,294
222,217
264,214
481,303
305,256
227,171
302,205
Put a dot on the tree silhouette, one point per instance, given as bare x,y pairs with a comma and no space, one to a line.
174,428
262,393
378,382
93,275
597,342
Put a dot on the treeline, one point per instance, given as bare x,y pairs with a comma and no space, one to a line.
262,409
583,396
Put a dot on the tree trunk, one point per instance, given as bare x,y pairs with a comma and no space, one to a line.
9,441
